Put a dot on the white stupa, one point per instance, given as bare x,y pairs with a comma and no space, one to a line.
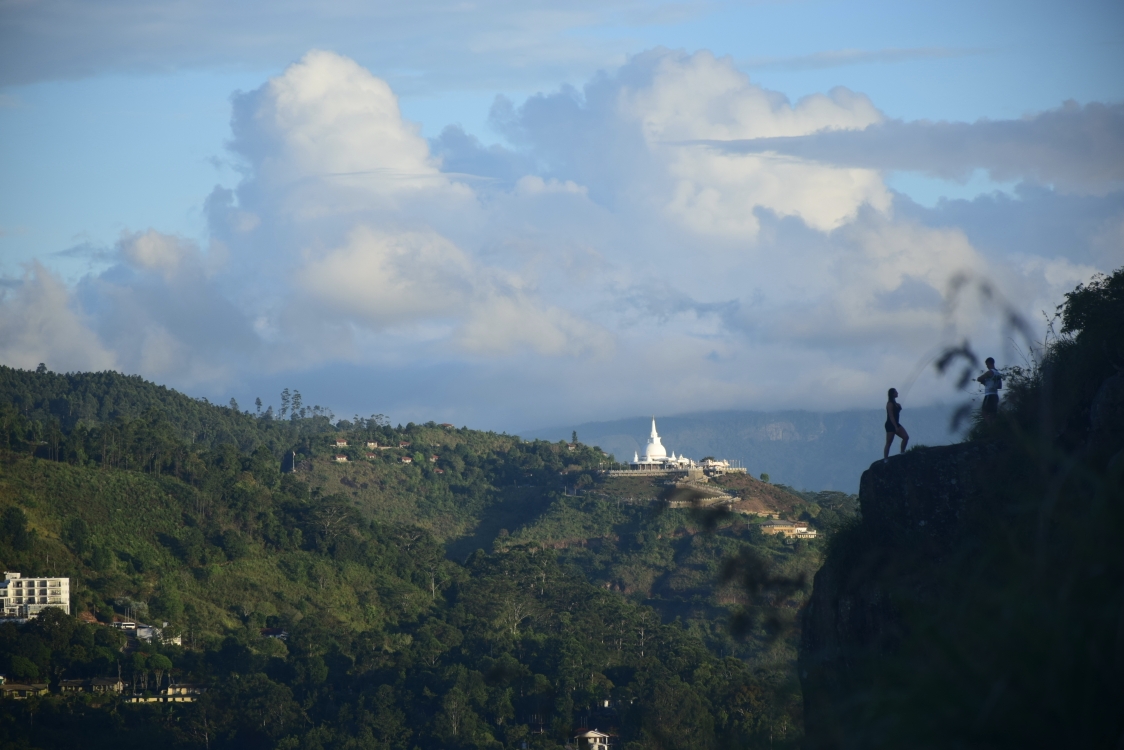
655,455
657,460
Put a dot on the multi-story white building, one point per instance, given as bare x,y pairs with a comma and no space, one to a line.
27,597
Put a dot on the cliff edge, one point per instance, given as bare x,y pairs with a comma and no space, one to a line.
914,510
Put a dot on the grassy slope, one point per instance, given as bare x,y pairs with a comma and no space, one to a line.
755,496
387,490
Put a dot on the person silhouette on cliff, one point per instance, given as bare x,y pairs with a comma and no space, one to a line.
893,425
992,381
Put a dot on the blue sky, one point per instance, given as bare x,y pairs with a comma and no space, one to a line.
182,195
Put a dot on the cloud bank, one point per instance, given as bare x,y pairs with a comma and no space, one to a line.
53,39
1075,148
669,237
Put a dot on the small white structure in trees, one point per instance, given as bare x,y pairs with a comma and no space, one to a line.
592,740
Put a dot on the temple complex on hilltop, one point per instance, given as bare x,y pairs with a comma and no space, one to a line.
656,461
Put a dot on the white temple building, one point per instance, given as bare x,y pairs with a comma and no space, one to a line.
656,459
655,455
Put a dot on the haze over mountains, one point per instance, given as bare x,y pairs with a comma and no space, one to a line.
804,449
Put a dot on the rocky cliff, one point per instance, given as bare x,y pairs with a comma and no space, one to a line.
914,509
979,602
980,598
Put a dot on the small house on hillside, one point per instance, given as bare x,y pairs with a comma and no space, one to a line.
341,459
438,471
406,460
404,445
22,690
341,443
372,455
433,459
372,444
447,426
591,740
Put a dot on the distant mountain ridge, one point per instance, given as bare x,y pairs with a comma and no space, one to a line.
804,449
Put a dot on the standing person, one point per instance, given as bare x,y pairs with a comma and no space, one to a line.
992,381
893,425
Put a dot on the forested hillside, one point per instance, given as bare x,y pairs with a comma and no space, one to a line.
441,587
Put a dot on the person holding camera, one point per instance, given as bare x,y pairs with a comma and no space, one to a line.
992,381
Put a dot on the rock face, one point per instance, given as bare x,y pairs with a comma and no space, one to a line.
921,497
913,511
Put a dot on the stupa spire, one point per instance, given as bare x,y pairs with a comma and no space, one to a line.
655,450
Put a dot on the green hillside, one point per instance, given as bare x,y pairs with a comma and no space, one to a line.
489,592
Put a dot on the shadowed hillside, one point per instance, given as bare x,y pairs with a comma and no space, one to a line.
979,602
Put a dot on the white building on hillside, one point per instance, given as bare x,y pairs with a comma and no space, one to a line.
655,455
27,597
591,739
656,461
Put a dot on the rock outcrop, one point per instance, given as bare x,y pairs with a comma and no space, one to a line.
914,509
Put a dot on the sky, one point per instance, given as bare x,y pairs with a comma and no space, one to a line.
517,214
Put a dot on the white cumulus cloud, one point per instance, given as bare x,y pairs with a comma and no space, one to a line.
620,250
